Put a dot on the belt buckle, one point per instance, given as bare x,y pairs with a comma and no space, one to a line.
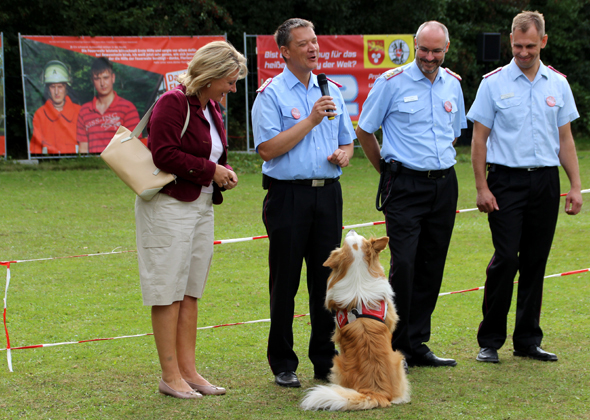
531,169
430,177
317,182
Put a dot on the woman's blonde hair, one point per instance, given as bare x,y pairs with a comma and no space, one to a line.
216,60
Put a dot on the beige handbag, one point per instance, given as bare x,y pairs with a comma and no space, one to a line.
132,161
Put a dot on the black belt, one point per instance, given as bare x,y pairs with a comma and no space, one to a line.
441,173
308,182
493,167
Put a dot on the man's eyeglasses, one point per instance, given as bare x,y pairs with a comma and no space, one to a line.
425,51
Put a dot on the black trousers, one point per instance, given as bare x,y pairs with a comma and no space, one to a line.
420,219
522,233
302,222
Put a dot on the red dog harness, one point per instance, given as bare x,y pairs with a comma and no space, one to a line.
344,317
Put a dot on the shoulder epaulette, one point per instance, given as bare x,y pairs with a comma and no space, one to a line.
452,73
264,85
492,72
393,72
336,83
557,71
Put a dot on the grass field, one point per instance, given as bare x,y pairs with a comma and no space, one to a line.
66,209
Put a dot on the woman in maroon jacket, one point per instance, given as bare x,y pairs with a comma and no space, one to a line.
175,229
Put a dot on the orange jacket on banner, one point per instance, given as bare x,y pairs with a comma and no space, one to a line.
54,132
354,61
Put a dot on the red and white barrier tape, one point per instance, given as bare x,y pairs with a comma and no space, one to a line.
567,273
235,240
8,353
224,241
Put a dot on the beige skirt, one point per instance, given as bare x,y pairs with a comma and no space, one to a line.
174,247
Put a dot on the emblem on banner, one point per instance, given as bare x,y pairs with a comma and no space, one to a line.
399,51
376,51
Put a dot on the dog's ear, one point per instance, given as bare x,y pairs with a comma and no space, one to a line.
332,260
379,244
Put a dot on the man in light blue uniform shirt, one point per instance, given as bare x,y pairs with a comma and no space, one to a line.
305,139
521,133
421,110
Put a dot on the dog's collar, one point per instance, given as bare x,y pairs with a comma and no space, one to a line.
344,316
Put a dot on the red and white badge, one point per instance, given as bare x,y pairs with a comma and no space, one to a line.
296,114
550,101
448,106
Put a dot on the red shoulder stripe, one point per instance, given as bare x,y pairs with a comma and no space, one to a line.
336,83
492,72
557,71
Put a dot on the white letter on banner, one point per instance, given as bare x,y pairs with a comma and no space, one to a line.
350,91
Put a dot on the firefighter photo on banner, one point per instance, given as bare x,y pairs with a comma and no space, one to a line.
78,91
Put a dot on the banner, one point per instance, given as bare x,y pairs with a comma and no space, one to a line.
354,61
80,90
2,101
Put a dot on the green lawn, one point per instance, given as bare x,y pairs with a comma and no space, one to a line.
80,208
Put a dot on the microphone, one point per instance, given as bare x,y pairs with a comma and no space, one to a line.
323,82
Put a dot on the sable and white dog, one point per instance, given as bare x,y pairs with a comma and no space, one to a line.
367,373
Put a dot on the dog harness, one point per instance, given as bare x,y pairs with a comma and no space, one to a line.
344,317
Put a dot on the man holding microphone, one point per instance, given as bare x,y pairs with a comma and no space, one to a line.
305,138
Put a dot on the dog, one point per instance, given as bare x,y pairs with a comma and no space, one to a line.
367,373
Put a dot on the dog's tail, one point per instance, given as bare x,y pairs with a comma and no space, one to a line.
337,398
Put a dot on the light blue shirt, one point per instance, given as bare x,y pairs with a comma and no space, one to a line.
524,116
420,119
276,109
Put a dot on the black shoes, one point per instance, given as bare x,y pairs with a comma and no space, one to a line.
487,354
288,379
537,353
430,359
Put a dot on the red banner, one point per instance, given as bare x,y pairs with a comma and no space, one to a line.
354,61
80,90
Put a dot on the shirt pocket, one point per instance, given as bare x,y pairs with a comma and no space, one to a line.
552,107
450,107
334,124
510,112
412,112
289,114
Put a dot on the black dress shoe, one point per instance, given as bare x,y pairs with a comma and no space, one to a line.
430,359
537,353
288,379
487,354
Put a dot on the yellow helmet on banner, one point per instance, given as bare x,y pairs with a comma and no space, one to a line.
56,72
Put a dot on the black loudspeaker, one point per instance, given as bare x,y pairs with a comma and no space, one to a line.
488,46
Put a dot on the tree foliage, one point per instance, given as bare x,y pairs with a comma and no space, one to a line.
567,50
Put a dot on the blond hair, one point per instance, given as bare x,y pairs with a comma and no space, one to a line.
216,60
524,20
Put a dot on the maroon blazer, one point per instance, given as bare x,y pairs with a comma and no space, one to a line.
186,157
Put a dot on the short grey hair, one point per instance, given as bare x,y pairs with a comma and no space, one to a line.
283,33
435,24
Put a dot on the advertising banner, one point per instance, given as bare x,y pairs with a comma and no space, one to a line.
354,61
80,90
2,101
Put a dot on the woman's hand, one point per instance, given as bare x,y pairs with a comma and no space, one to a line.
225,178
